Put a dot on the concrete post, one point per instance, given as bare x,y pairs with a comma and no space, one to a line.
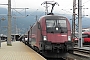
9,24
80,22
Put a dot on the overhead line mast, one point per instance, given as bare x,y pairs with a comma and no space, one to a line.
80,44
73,19
80,22
9,24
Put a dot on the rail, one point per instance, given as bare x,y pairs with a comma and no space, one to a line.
82,52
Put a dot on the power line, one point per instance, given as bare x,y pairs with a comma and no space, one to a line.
86,2
76,4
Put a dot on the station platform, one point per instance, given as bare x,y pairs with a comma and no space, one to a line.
18,51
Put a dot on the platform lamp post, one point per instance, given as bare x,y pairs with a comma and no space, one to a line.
9,24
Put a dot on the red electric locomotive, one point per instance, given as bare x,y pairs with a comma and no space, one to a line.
86,38
51,36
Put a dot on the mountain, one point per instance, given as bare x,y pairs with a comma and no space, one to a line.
22,22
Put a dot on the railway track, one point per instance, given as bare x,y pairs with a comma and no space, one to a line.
76,57
86,45
79,54
82,52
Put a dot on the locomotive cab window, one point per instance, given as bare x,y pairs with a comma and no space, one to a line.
56,26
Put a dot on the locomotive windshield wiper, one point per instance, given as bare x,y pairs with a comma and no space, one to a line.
51,32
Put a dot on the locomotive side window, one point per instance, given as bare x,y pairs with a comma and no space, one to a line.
39,27
88,36
85,35
56,26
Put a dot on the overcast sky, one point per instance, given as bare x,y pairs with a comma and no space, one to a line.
63,8
66,5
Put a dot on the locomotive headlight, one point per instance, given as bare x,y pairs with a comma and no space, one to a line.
69,38
44,38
